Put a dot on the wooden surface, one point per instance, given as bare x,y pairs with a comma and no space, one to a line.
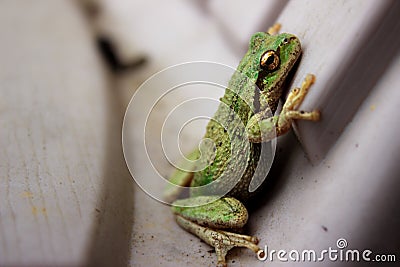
64,187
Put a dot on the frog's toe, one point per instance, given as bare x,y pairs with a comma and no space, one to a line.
297,95
225,241
222,241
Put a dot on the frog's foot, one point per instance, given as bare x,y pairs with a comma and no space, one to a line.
289,110
274,29
297,95
222,241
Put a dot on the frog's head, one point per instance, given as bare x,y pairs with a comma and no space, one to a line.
268,62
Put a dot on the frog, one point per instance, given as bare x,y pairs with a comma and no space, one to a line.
215,219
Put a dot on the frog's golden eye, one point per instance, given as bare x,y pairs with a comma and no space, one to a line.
269,60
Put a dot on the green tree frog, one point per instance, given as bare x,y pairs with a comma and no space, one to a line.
269,59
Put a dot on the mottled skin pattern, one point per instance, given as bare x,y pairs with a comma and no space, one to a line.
243,105
245,115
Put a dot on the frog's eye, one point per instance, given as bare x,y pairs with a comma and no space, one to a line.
269,60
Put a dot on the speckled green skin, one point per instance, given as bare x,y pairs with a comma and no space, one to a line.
235,158
228,213
245,103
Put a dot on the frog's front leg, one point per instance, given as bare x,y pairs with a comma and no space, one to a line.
262,127
274,29
206,222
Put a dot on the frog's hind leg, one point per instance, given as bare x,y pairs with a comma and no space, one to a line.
222,241
181,177
205,216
